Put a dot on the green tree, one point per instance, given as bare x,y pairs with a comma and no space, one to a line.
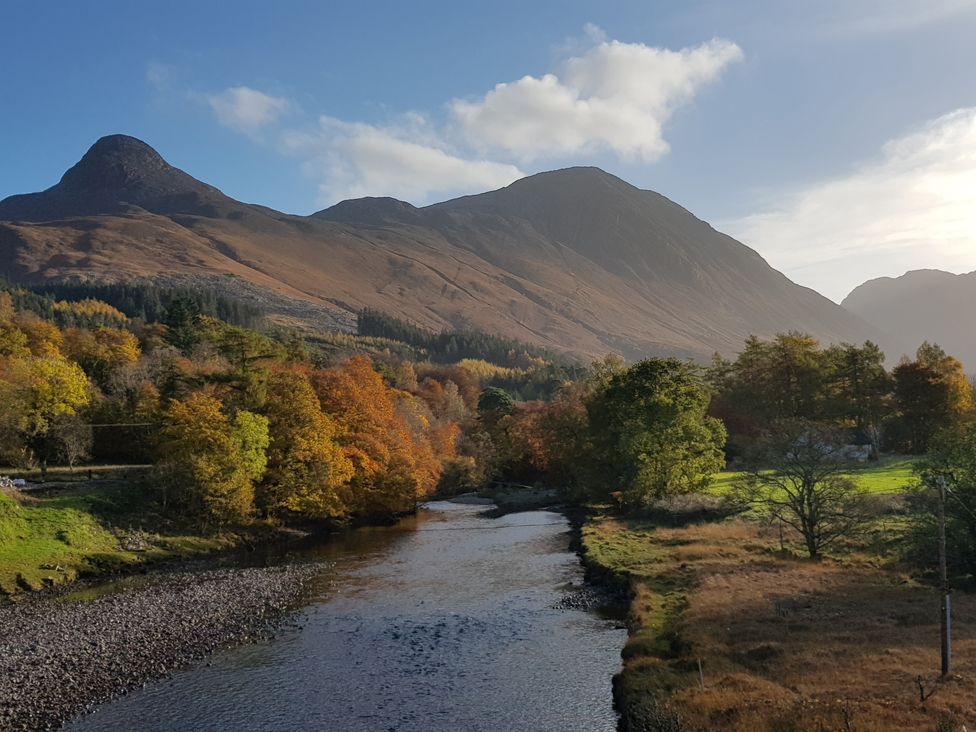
779,379
952,458
857,385
251,431
493,403
183,322
797,473
650,433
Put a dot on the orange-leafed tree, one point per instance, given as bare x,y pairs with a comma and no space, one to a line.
385,433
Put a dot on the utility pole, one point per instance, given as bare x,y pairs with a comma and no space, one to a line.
944,581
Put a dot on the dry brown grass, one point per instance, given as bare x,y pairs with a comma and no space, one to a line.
785,643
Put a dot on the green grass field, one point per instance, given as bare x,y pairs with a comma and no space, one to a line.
891,474
54,538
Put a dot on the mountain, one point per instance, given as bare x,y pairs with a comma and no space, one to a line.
576,260
922,305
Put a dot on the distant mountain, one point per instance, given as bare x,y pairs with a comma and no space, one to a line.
576,260
922,305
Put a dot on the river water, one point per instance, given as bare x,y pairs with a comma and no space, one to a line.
448,621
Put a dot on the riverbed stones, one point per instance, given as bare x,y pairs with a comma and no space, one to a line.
59,657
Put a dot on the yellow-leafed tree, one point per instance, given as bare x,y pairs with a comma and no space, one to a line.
308,472
207,462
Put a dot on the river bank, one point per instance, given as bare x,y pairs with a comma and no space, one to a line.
101,528
729,630
60,655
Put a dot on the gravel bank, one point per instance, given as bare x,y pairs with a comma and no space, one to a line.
58,658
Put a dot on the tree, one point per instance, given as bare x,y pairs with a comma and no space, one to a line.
208,462
13,341
307,472
650,433
251,431
493,403
101,351
952,458
386,433
183,322
37,391
931,393
70,439
857,385
796,472
778,379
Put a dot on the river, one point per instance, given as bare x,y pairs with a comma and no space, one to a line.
447,621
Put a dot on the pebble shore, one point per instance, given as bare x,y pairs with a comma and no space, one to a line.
60,657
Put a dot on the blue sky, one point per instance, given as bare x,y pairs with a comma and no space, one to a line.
838,138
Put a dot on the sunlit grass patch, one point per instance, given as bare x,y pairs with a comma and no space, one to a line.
890,474
53,539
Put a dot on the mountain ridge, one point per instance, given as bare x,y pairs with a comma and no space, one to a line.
574,259
921,305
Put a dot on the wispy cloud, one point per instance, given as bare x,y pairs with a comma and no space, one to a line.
893,16
356,159
913,207
605,96
246,110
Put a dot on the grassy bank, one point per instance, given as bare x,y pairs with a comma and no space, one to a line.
98,527
784,643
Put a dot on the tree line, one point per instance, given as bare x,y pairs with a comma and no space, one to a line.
240,423
450,346
137,301
792,377
244,423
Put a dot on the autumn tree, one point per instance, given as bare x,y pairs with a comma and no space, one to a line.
568,440
307,472
650,433
13,341
43,337
384,434
101,351
208,462
931,393
35,392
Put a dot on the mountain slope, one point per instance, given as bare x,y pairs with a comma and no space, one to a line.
922,305
575,260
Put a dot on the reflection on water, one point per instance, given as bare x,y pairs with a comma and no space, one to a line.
445,622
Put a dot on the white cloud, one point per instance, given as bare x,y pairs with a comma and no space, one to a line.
610,96
617,96
912,209
405,162
246,110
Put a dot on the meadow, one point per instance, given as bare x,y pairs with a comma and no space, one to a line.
890,474
731,632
